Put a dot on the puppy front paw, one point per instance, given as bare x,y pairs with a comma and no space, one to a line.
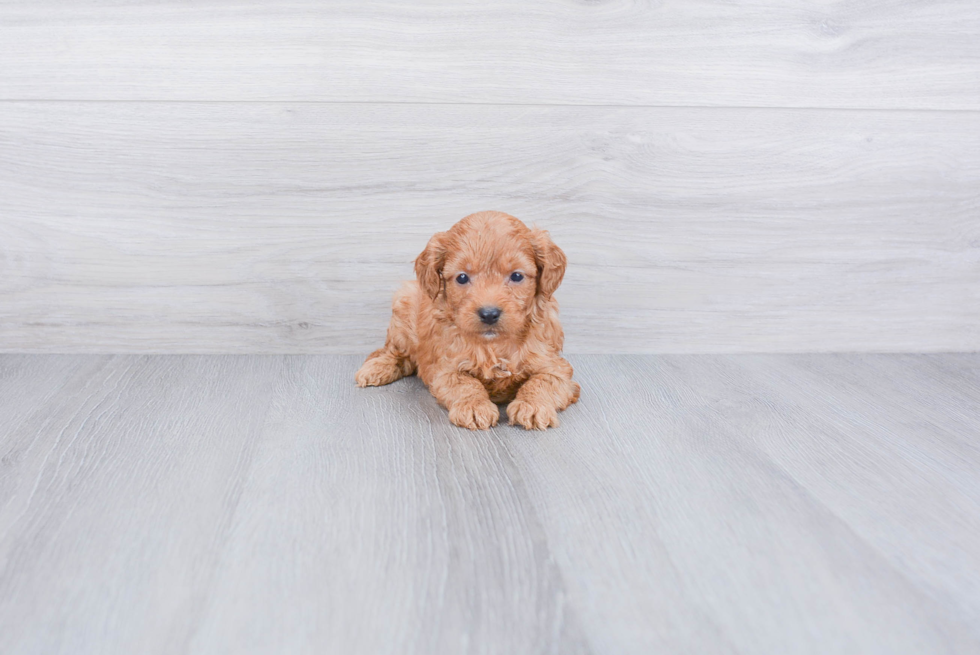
377,371
532,417
474,414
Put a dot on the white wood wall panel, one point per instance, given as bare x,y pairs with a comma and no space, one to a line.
897,54
277,227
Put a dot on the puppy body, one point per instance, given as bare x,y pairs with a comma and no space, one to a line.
480,325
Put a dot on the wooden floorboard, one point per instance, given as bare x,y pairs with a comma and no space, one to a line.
908,54
712,504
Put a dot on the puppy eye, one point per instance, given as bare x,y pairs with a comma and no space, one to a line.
462,278
516,277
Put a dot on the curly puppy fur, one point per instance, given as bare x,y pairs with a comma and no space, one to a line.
480,325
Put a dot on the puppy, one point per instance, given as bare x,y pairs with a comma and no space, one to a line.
480,325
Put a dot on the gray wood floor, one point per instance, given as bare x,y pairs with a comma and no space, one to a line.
235,504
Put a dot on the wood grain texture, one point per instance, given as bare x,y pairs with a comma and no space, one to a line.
709,504
771,519
122,477
899,54
270,228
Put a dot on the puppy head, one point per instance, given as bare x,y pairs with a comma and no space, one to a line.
491,269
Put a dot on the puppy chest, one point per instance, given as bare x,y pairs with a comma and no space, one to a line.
503,389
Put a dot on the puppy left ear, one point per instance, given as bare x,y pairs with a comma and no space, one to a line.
551,262
428,265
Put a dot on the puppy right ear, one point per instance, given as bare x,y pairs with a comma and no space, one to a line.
428,265
551,262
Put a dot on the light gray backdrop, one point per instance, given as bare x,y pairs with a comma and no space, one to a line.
258,176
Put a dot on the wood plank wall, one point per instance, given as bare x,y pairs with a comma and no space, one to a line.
257,177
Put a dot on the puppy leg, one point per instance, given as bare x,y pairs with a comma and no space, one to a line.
466,399
383,366
539,400
392,362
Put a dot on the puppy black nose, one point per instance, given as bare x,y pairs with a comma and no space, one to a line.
488,315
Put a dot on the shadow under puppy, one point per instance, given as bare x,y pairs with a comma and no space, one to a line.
480,325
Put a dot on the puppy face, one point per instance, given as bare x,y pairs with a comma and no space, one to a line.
490,283
491,269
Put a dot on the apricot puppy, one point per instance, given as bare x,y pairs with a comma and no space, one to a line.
480,325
